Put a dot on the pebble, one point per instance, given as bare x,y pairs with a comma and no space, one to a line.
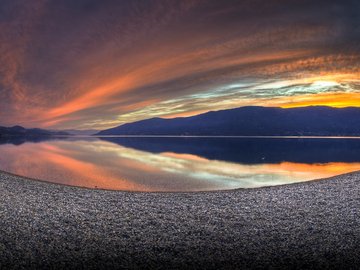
312,225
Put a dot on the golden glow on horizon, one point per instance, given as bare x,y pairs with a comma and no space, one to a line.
333,89
337,100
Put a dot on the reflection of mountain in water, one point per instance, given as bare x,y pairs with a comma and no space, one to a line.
18,135
251,150
239,150
18,140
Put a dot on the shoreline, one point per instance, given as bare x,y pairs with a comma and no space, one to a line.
210,136
40,181
301,225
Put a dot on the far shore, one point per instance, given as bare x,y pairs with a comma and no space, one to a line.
217,136
306,225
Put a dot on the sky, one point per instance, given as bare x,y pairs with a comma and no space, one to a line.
90,64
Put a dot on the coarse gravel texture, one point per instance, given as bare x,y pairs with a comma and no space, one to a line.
299,226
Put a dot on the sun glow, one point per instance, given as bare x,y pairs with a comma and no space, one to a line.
337,100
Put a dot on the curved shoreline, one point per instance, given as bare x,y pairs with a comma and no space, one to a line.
302,225
40,181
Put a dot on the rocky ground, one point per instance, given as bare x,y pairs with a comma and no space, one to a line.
310,225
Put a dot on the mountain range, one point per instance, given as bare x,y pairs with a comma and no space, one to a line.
19,131
78,132
252,121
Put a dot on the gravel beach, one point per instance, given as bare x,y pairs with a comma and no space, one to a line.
309,225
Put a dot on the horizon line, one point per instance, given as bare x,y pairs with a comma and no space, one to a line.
162,117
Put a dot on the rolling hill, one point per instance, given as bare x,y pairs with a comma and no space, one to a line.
252,121
19,131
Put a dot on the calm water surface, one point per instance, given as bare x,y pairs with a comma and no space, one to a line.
179,164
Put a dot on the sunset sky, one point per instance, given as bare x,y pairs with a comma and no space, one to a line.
91,64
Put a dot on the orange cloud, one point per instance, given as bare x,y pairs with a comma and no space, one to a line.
66,66
316,171
84,173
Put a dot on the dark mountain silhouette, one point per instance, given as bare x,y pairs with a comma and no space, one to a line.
19,131
252,121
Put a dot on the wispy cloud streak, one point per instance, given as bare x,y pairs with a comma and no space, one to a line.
87,63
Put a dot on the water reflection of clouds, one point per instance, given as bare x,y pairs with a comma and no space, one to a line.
106,165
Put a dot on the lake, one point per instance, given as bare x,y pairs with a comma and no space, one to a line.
178,163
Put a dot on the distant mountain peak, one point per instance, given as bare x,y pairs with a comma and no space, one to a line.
17,127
